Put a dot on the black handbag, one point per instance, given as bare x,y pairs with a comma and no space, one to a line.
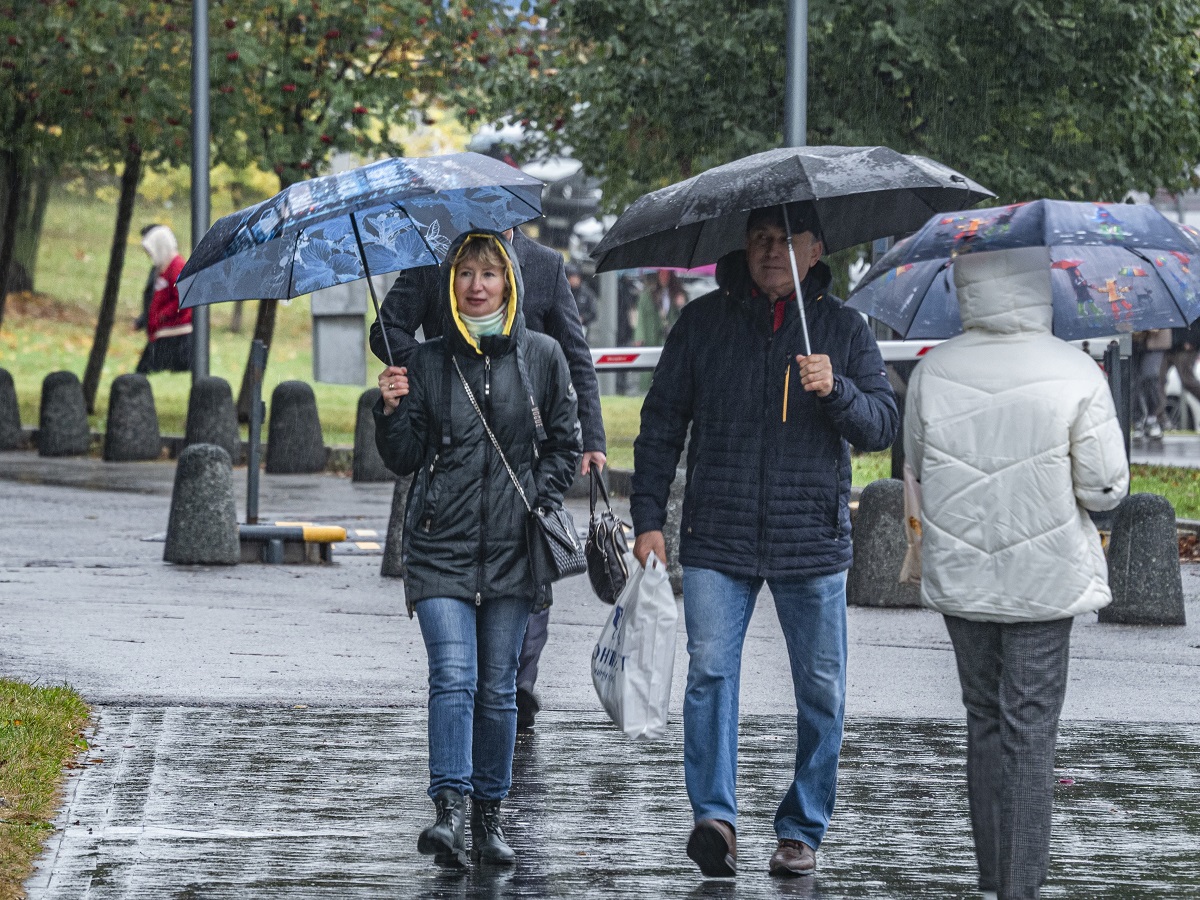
606,547
554,549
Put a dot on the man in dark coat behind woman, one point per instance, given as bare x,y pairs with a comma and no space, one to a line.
549,308
467,571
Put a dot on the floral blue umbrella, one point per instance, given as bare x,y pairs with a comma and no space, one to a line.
1114,268
394,214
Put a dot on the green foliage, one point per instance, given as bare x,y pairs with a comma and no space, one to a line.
296,81
1082,99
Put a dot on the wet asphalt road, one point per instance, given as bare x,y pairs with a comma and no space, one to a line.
262,728
266,803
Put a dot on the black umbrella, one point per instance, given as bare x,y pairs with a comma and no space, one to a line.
857,193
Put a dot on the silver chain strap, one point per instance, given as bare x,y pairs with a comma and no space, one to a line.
487,428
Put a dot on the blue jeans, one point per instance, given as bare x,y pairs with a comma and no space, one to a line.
812,613
472,654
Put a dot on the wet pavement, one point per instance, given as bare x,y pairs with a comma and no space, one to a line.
261,728
1173,450
263,803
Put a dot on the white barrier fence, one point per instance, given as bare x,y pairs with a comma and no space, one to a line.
641,359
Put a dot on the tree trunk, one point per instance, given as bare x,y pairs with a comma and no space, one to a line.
11,167
31,217
235,319
112,281
264,330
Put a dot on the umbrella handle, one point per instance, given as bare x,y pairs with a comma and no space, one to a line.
362,254
787,224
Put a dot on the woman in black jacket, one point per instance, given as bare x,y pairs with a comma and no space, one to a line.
466,559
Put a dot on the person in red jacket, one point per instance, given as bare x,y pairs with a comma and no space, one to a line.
169,327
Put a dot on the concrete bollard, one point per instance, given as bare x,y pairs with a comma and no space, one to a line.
671,530
132,430
203,527
295,444
10,413
367,464
62,423
1143,564
393,546
212,417
879,547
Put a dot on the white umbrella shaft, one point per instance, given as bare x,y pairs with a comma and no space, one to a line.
796,281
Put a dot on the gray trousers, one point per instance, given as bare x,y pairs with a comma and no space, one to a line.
536,634
1013,677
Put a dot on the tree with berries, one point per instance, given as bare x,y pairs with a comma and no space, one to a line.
130,98
297,81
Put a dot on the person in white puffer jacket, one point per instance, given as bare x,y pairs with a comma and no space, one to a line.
1013,436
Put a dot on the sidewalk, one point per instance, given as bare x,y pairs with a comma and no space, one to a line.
262,728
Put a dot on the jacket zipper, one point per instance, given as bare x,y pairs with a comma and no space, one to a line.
762,458
487,408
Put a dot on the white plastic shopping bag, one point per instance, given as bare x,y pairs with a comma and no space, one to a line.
635,656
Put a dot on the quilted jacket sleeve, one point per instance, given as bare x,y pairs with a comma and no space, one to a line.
401,437
563,445
914,428
1099,467
862,404
666,414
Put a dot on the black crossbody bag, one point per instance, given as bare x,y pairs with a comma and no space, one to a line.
554,550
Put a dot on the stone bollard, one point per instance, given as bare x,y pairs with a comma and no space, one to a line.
1143,564
368,464
393,546
63,424
671,530
212,417
10,413
295,444
880,544
203,527
132,430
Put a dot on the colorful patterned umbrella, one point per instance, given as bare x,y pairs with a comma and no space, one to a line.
1114,268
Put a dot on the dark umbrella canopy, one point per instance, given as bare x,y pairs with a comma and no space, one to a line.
1114,268
858,193
390,215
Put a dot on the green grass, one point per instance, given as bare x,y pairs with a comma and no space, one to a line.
53,331
1180,486
40,732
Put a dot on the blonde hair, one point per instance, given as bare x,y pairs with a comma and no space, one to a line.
483,248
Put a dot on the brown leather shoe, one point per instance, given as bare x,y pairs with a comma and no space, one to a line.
713,847
793,858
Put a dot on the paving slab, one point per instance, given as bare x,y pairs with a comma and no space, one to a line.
262,727
264,803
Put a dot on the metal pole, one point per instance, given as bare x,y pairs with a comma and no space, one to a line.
795,119
200,164
258,367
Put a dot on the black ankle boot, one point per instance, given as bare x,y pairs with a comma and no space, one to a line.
446,838
487,836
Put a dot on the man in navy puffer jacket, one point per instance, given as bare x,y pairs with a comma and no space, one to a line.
767,500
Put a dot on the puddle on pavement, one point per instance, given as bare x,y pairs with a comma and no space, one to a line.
207,803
